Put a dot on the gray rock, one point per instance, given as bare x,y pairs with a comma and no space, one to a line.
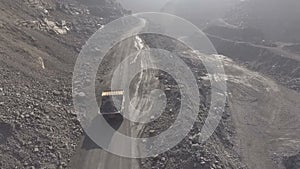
196,146
56,93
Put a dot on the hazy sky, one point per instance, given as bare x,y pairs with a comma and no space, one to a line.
143,5
199,12
157,5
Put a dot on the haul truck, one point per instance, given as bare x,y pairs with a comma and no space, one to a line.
112,103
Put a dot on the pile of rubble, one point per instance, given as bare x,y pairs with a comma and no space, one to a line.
42,6
47,26
72,9
215,153
66,6
61,17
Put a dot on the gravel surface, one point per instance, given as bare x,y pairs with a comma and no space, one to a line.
39,44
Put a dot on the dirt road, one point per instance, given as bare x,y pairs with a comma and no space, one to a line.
96,157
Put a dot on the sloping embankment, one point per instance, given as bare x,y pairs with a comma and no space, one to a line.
273,63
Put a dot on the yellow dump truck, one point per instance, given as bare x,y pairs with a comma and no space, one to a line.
112,103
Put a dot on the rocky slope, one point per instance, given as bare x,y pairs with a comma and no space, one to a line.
39,43
215,153
277,63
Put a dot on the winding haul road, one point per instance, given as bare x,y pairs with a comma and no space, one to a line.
88,154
